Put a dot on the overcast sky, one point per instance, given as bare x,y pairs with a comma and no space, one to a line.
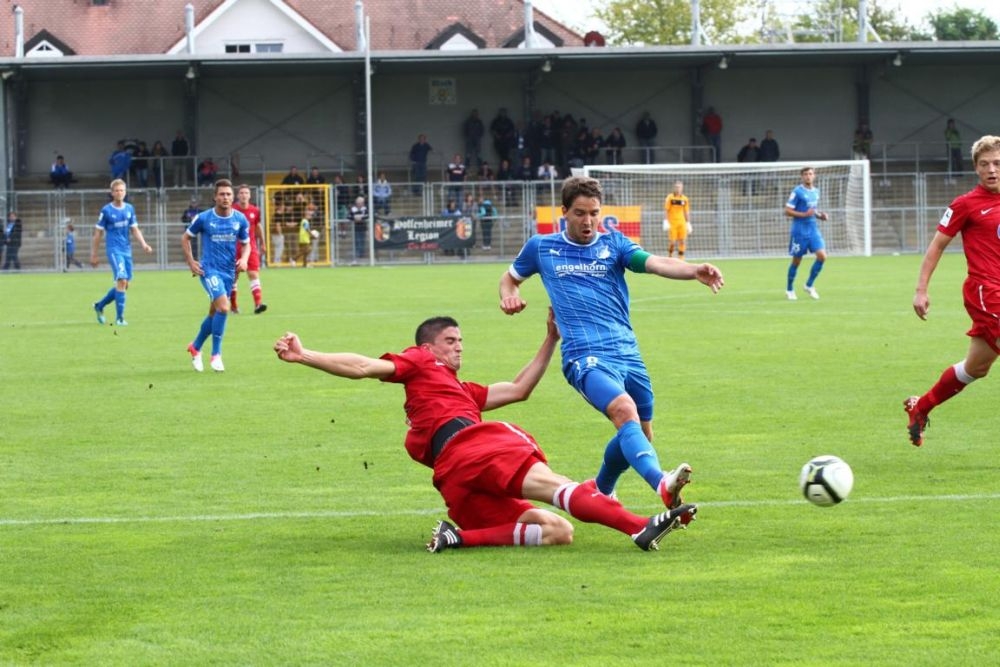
579,14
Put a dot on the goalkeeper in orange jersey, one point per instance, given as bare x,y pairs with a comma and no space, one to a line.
677,220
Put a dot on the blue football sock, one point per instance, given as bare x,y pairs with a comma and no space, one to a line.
813,272
792,270
639,453
612,468
108,298
218,328
120,305
203,333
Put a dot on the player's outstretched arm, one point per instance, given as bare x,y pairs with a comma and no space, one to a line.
137,233
342,364
192,263
678,269
936,248
510,295
95,241
520,388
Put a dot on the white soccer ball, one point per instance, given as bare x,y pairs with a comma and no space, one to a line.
826,480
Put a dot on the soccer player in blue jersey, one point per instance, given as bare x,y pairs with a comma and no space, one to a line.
117,221
806,237
221,228
583,271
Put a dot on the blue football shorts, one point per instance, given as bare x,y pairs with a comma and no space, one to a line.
601,380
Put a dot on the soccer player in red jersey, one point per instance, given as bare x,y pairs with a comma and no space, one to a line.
252,213
486,471
977,215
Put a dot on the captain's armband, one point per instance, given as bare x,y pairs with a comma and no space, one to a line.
637,262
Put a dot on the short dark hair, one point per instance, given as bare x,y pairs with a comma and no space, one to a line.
577,186
223,183
429,329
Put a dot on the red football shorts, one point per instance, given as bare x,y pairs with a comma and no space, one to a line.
480,472
253,261
982,302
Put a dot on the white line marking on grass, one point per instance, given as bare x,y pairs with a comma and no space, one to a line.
350,514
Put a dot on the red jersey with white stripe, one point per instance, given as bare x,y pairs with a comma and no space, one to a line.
434,396
977,215
252,214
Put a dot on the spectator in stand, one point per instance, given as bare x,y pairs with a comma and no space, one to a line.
157,154
359,216
59,174
769,151
418,163
711,129
581,149
120,161
567,141
548,140
12,233
505,173
749,153
207,172
645,132
382,193
520,143
360,188
451,210
547,172
276,243
293,177
190,212
179,150
502,130
953,139
487,214
315,178
488,179
456,174
594,145
140,164
862,145
341,197
614,147
525,172
473,131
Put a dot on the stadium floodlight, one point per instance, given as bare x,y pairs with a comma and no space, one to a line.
737,209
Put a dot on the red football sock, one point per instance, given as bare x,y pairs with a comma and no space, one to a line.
586,503
232,299
948,385
256,295
495,536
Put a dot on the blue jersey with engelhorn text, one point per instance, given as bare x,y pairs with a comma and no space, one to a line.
117,223
587,290
801,200
219,236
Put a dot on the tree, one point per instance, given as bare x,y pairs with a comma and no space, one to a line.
668,22
961,24
837,21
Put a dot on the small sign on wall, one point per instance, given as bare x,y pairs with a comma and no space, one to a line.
443,91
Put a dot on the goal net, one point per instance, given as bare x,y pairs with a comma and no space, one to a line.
738,209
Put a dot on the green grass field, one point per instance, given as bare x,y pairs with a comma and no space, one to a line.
150,515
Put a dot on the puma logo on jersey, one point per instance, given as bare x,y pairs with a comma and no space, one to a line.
553,251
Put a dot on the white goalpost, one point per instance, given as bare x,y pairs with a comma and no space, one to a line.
737,209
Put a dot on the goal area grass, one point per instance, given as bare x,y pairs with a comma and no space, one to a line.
151,515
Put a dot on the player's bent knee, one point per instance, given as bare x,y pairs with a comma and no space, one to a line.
558,532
